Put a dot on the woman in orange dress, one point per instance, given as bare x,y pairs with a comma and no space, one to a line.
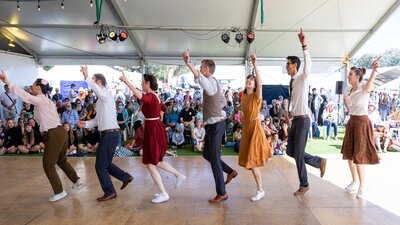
254,149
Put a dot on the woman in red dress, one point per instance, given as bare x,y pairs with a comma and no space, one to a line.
155,136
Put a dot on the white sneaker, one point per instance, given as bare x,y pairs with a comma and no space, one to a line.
58,196
77,184
360,192
259,195
179,180
351,186
162,197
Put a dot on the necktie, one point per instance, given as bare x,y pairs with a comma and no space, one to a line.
290,92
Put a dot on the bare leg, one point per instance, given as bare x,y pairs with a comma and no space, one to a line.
353,170
257,177
156,177
167,167
361,174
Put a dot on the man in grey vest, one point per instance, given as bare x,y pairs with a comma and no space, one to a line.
213,102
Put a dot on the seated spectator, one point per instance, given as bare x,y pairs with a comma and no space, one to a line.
198,136
90,140
382,138
12,137
264,109
330,118
137,142
70,115
2,133
31,142
122,116
187,96
277,145
72,139
26,111
186,117
172,118
373,115
237,136
178,139
91,113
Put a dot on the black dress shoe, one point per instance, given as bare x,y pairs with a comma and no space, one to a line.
107,197
126,182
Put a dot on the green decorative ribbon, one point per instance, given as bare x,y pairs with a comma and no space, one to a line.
99,6
262,12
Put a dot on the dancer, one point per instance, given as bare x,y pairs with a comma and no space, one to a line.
358,143
155,135
106,121
298,110
254,149
55,136
214,122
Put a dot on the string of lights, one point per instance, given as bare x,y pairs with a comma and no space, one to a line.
39,7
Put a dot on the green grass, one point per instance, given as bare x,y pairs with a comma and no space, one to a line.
314,146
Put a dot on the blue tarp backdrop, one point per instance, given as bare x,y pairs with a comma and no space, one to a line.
270,92
65,86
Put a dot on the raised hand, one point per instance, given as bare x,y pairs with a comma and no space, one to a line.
375,63
302,37
123,78
84,71
253,58
3,77
186,57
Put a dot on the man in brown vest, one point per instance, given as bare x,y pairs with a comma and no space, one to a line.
214,124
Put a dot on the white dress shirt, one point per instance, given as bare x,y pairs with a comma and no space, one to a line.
106,117
45,112
299,102
358,100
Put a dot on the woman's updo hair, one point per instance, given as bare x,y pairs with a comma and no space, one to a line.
359,72
153,81
44,85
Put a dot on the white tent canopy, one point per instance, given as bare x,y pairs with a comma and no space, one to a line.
159,31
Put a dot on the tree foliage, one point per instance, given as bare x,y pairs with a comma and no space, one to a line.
162,72
47,67
390,57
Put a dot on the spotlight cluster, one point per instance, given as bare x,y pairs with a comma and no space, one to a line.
239,36
105,33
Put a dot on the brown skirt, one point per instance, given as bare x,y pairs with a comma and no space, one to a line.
358,144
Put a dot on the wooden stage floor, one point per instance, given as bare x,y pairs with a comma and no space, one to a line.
25,191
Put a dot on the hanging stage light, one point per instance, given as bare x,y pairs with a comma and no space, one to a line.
101,37
239,37
91,3
123,36
225,37
113,35
250,36
18,8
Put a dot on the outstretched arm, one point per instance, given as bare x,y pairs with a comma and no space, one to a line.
135,91
370,83
186,59
258,76
307,57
